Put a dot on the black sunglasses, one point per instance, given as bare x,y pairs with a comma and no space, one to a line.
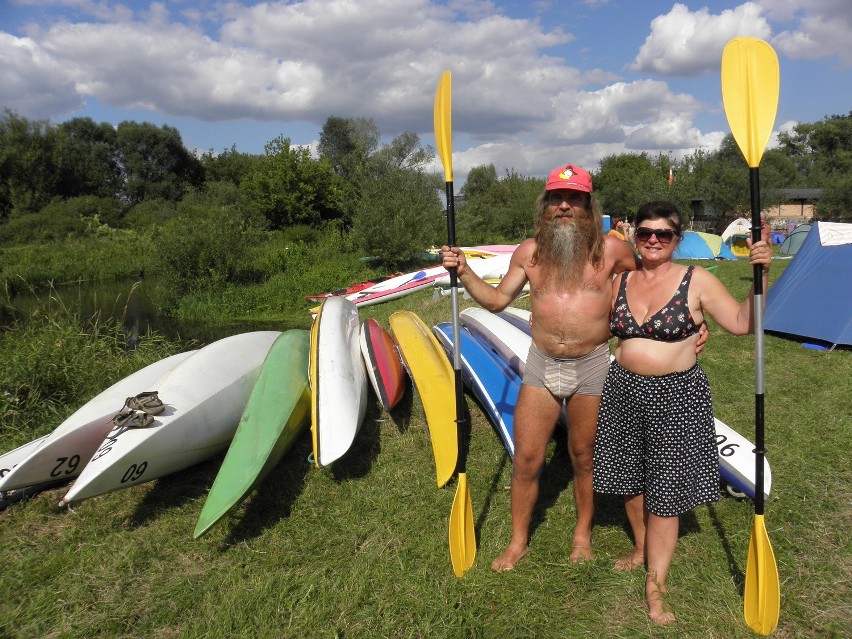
664,236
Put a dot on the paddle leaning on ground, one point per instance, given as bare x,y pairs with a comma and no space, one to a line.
462,536
750,89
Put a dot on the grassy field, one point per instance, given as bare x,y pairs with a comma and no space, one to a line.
359,549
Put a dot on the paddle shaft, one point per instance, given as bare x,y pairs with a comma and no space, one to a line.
759,443
461,464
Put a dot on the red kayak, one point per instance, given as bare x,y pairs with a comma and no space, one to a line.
384,367
354,288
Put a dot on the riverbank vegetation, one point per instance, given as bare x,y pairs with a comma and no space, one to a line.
81,201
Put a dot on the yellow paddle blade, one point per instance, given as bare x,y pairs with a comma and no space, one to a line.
444,124
762,605
462,537
750,88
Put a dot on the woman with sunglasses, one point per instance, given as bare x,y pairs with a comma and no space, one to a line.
655,441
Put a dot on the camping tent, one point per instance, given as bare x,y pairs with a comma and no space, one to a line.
736,236
701,246
794,240
811,298
740,226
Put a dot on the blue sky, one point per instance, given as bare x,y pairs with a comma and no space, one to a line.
535,83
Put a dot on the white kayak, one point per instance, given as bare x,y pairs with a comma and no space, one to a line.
204,397
65,452
488,268
510,342
338,380
736,462
9,460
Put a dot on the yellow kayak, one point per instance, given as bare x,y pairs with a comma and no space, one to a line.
432,374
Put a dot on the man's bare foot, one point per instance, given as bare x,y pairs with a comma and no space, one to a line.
634,560
581,553
509,558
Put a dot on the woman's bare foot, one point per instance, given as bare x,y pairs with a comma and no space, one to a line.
581,553
512,555
634,560
662,618
657,608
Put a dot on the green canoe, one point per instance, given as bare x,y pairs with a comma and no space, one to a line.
277,413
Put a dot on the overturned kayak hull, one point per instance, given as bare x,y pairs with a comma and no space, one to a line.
276,415
65,452
508,340
433,377
489,378
384,367
204,397
338,380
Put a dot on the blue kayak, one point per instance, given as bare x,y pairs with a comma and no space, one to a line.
489,378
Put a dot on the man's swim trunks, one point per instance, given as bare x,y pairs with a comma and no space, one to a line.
564,377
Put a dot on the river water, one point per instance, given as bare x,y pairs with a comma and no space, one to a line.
129,303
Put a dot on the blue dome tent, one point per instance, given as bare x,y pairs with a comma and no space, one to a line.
811,298
702,246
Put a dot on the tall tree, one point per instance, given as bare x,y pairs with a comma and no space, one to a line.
498,210
228,166
287,186
404,152
398,211
399,215
347,143
480,179
155,163
28,174
87,159
625,182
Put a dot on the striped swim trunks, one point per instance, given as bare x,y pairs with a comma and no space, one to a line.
564,377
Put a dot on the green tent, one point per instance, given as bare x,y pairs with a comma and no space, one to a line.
791,245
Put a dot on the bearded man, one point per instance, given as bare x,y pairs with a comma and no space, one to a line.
569,266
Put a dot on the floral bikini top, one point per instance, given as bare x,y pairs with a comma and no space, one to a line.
671,323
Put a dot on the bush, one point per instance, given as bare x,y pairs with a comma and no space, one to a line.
206,244
61,220
149,215
399,216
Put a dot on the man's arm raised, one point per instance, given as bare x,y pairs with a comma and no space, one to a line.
494,299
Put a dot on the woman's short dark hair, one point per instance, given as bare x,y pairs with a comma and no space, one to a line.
660,209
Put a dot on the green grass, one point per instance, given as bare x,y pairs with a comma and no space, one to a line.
360,549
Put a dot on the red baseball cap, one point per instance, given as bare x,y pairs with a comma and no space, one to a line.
569,177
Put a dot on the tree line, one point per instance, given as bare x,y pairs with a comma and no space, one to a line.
57,180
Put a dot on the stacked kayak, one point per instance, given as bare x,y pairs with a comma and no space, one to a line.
492,381
384,367
509,341
338,380
433,377
488,266
276,414
204,397
64,453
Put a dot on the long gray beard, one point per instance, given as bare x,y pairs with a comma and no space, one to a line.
564,253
